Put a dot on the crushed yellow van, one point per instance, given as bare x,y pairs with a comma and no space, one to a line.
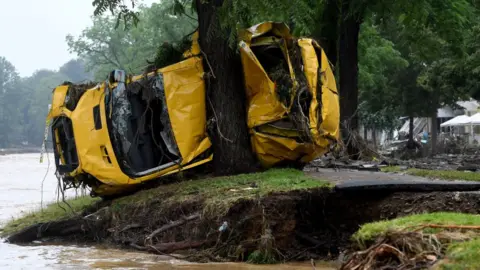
128,130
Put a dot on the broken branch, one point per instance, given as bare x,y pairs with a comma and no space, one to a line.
437,226
172,225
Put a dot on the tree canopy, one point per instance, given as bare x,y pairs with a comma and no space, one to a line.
24,101
411,57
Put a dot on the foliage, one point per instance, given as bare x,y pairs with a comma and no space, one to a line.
9,112
24,101
104,47
378,61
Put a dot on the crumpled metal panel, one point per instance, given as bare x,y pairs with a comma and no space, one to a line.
261,29
166,133
184,90
263,104
330,99
270,142
58,102
185,97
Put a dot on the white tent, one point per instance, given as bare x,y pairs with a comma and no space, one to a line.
475,119
460,120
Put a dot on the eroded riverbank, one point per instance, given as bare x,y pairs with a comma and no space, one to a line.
288,217
277,216
20,193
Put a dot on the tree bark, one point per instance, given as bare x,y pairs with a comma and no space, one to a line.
374,137
348,63
226,99
410,129
434,133
327,32
411,144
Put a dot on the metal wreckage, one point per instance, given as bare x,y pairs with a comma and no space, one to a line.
127,130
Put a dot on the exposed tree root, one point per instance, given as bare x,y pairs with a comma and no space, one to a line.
171,225
294,225
406,250
437,226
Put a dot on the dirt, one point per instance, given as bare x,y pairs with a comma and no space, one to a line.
289,226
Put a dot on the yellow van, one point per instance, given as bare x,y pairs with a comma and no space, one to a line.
128,130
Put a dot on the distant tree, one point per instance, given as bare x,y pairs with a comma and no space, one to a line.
9,98
75,71
379,61
341,21
104,47
39,87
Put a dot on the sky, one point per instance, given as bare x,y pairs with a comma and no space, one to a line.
33,31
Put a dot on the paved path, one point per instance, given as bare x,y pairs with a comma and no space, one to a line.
351,180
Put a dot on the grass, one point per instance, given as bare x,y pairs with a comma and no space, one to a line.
463,256
53,211
459,255
221,192
370,231
436,174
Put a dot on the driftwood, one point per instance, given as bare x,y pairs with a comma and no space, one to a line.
173,224
77,225
50,229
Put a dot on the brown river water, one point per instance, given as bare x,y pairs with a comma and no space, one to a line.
21,192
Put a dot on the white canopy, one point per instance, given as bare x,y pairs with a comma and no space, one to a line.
475,119
460,120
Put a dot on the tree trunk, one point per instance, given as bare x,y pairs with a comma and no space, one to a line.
226,99
327,31
365,133
434,133
348,63
411,144
410,128
374,137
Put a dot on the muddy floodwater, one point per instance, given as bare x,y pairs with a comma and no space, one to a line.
21,192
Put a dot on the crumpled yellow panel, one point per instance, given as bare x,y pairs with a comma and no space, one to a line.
330,99
272,144
273,149
311,65
263,104
91,143
195,47
58,102
185,96
275,29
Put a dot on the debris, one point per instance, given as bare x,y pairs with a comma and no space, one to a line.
172,225
223,227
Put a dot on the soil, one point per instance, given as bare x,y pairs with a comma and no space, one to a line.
287,226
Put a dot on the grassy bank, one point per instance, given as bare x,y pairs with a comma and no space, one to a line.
53,211
217,194
435,174
443,240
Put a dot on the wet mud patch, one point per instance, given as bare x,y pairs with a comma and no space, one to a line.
315,223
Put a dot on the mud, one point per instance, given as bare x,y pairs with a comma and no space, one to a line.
292,226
